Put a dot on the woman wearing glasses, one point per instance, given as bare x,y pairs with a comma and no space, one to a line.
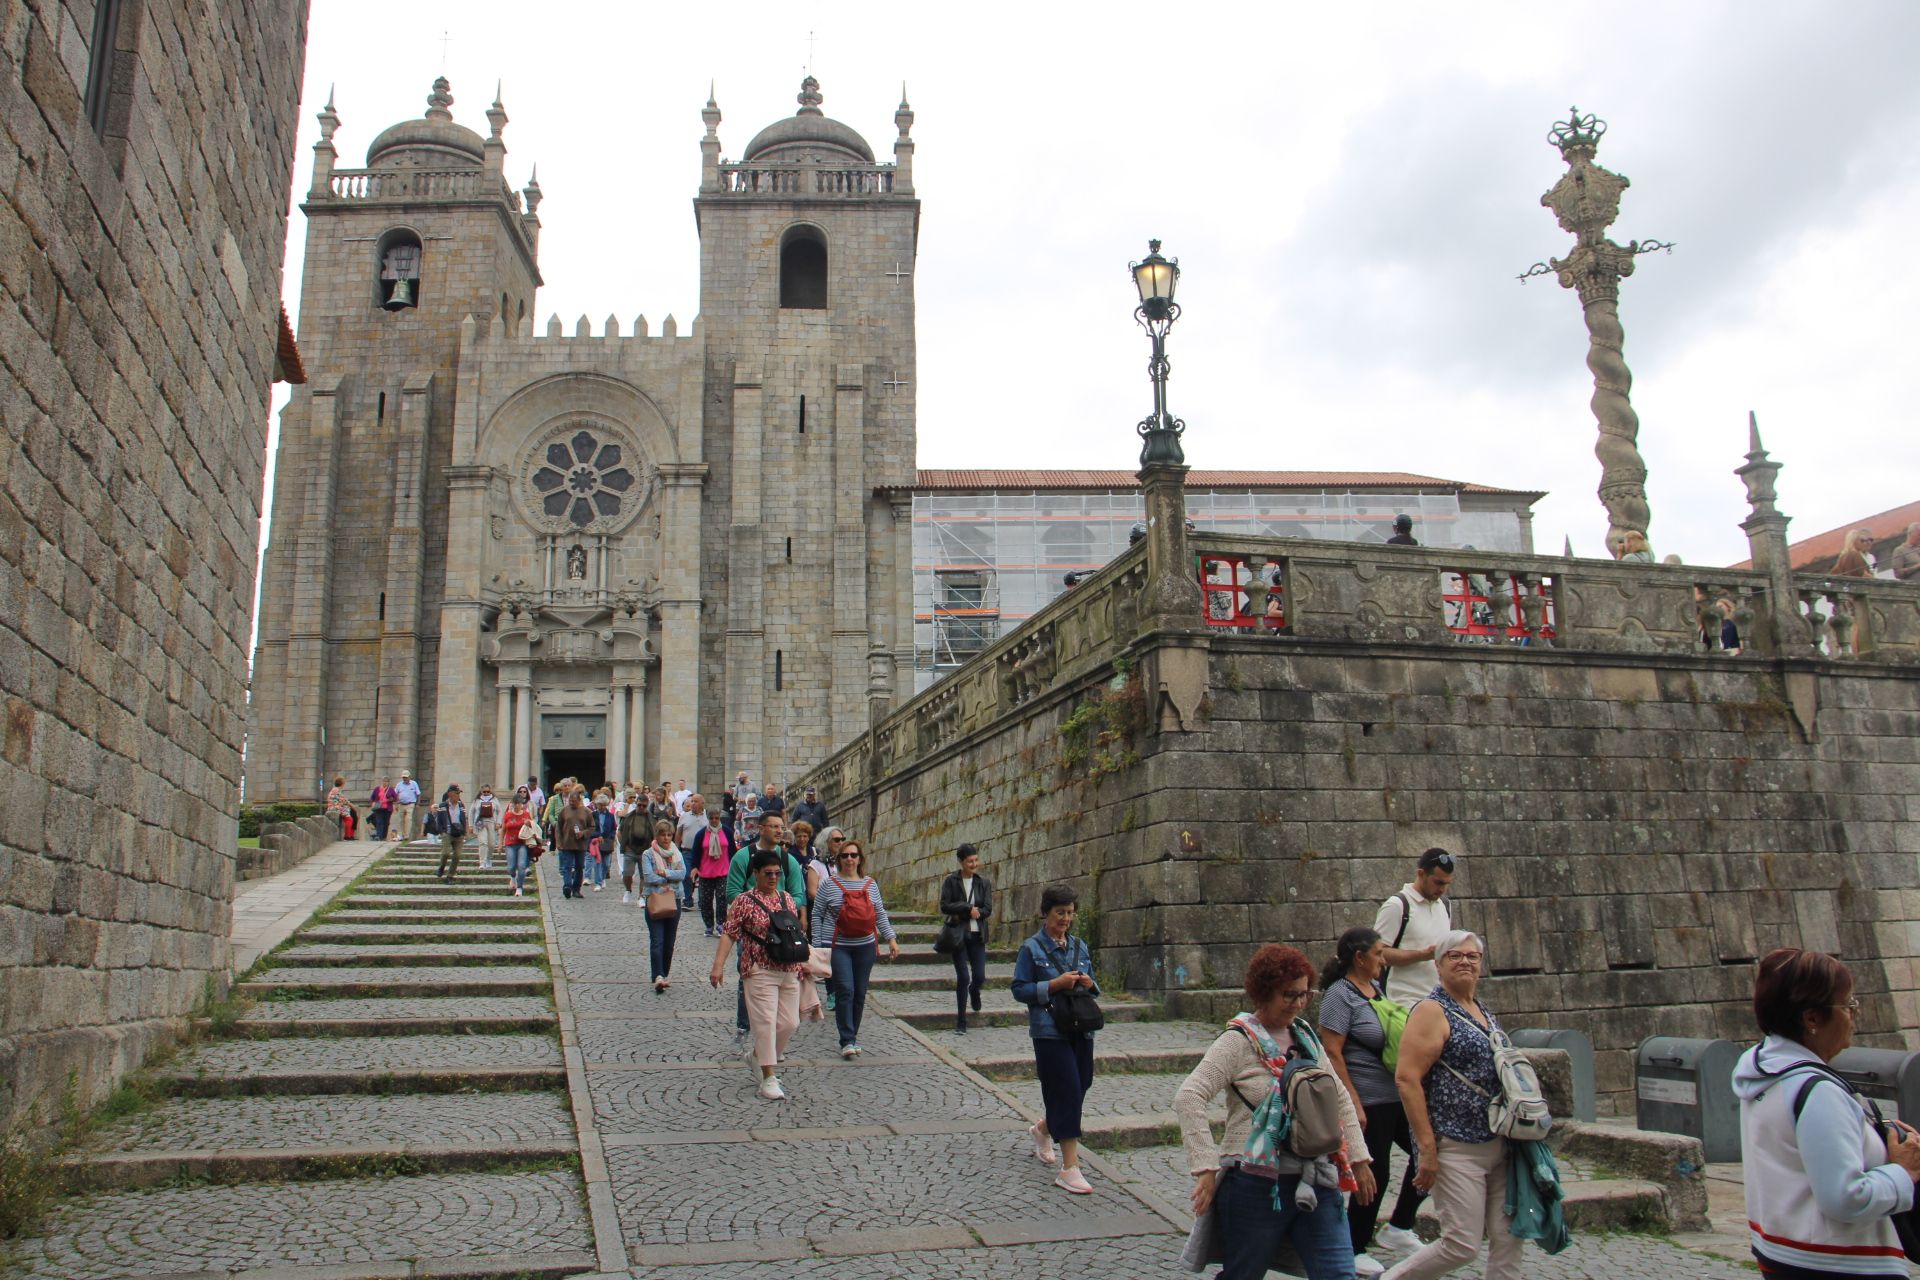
1259,1206
1445,1076
1823,1177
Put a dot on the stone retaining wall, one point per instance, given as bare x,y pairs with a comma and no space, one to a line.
284,845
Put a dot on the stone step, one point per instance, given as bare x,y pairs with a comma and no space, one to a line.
1602,1204
923,953
447,980
931,1008
410,1158
888,977
503,903
452,915
464,1226
430,953
463,884
439,931
1006,1052
389,1017
373,1064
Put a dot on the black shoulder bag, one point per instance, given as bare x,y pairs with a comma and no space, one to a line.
1075,1012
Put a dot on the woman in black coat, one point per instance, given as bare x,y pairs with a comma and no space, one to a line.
966,900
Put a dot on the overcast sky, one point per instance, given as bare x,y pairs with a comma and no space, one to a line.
1351,191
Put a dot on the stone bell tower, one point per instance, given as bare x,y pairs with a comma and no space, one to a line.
807,252
398,255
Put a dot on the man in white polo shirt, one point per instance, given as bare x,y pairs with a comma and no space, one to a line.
1411,922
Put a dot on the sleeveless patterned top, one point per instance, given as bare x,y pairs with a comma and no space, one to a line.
1456,1111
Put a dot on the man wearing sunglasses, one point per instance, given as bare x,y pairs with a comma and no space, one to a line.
1411,922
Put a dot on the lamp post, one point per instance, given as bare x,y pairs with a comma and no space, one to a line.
1155,277
1171,599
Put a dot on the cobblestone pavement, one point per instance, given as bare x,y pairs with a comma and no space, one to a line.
386,975
1012,1042
475,953
1120,1094
194,1230
449,1012
514,930
344,1120
1125,1258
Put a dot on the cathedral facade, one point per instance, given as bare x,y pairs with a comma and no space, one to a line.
500,549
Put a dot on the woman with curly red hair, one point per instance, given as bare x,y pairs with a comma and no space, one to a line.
1262,1204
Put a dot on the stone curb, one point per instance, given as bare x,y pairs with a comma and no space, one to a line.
1120,1062
491,1079
130,1169
602,1209
533,1266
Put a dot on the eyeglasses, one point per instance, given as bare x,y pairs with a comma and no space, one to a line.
1852,1006
1297,997
1471,957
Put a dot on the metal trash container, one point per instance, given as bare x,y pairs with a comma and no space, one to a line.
1579,1051
1886,1076
1685,1086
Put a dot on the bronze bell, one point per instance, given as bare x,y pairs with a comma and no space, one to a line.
401,297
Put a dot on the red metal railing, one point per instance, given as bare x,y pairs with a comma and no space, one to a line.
1223,587
1492,608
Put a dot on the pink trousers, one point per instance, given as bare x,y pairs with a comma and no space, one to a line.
773,1011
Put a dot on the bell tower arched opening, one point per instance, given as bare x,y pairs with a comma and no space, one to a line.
803,269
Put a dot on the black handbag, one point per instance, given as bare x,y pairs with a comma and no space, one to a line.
952,936
1075,1012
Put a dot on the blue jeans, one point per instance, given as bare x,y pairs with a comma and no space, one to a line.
597,869
660,938
517,864
1253,1223
852,967
572,865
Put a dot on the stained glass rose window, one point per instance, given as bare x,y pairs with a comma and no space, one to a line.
579,479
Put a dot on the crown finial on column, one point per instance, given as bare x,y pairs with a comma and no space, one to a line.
329,121
440,100
809,97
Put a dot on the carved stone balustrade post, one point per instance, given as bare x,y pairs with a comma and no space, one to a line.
1842,615
1533,607
1814,621
1257,592
1777,625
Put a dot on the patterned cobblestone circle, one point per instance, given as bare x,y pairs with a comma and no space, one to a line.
697,1040
370,1053
188,1230
345,1120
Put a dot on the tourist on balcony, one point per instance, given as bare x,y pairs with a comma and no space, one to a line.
1632,545
1358,1023
1050,963
1261,1194
966,900
1824,1172
662,868
1402,532
574,827
1906,556
1729,634
1856,556
850,917
771,989
1445,1076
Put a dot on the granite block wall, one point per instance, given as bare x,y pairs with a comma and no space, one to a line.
1634,830
139,311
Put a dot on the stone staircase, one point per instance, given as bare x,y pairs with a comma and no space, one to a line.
390,1101
1148,1048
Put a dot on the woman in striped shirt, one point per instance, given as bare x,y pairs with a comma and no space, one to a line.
849,916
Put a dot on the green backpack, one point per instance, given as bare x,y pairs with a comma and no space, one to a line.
1393,1021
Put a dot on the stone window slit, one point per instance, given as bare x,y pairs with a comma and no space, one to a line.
789,548
779,669
381,414
101,59
803,415
383,607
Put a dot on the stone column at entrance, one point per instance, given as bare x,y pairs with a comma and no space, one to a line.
522,733
503,780
637,727
617,737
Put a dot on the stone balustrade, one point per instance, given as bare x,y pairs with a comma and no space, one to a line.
1345,593
806,180
421,184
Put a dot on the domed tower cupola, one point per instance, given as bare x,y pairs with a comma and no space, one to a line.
432,141
808,132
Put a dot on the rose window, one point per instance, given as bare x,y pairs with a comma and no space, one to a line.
581,479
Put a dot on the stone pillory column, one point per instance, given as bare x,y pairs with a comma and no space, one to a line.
503,779
1586,201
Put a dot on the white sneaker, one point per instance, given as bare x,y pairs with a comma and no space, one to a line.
770,1089
1365,1266
1397,1239
847,1051
1075,1181
626,897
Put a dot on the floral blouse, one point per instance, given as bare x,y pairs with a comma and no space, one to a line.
747,924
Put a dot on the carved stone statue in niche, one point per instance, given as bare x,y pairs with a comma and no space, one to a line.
576,563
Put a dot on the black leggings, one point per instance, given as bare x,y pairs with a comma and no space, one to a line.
1387,1128
971,955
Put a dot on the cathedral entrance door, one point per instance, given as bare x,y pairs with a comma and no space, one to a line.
574,746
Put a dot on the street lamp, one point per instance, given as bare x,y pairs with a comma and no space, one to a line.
1155,277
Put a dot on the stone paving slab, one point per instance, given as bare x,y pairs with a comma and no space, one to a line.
377,1016
239,1059
178,1231
504,902
400,918
444,980
1108,1259
337,930
691,1041
893,1181
266,1123
934,977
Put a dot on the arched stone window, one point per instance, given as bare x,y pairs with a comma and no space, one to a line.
803,269
397,283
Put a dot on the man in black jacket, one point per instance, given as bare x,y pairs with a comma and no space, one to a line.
810,810
453,830
966,900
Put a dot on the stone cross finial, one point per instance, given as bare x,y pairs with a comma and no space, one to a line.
439,100
809,98
1759,473
497,113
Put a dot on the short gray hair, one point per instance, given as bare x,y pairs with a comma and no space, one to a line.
1453,938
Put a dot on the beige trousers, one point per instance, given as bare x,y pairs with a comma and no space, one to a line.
773,1011
1470,1197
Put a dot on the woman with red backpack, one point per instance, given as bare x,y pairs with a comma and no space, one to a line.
849,916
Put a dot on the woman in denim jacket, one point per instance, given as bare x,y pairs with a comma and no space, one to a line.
661,867
1053,961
